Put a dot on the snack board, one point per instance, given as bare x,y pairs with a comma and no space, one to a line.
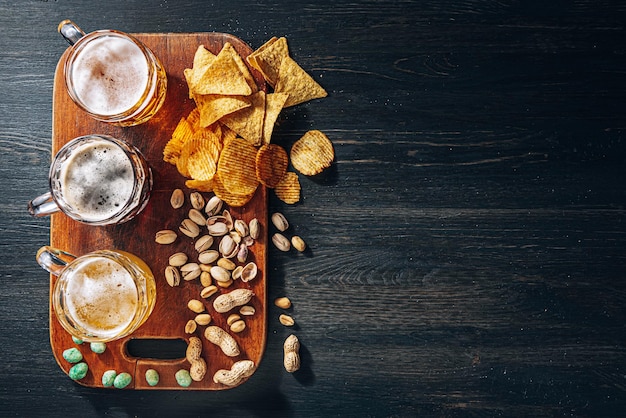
167,322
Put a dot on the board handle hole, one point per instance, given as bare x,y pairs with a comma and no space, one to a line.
156,348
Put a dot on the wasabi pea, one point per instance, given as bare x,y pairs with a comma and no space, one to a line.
108,378
183,378
152,377
73,355
98,348
122,380
78,371
77,340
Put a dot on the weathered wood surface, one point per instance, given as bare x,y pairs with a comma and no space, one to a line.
467,249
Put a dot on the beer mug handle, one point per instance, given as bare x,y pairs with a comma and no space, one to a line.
70,31
53,260
43,205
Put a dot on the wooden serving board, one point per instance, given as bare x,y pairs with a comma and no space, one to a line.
170,314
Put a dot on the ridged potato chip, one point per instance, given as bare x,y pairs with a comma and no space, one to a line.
312,153
237,167
288,190
271,164
230,198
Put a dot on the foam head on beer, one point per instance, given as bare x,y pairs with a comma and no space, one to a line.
97,180
110,75
101,297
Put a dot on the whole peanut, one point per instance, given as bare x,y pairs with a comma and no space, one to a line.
239,371
224,340
291,360
227,301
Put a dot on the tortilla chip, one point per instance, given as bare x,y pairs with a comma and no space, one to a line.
222,77
213,107
267,59
274,103
248,122
294,80
242,67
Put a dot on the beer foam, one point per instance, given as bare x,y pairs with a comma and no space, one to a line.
110,75
97,180
101,296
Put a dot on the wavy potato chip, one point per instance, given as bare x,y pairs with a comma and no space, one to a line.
312,153
230,198
298,83
181,134
237,167
288,190
201,186
271,164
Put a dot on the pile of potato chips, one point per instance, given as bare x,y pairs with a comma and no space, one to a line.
224,144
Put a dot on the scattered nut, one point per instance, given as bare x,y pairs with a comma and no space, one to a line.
281,242
152,377
228,301
197,370
190,271
197,201
222,339
208,256
183,378
78,371
286,320
189,228
208,291
122,380
108,377
195,306
72,355
203,319
203,243
238,326
194,349
298,243
283,302
166,236
280,222
190,326
239,371
178,259
172,276
177,199
255,228
291,359
247,310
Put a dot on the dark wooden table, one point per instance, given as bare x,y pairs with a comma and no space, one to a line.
467,249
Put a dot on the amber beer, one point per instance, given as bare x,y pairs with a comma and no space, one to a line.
113,76
102,296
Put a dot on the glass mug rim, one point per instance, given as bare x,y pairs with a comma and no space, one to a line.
143,283
142,174
152,82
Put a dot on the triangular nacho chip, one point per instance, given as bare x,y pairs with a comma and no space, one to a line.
248,122
223,77
267,59
274,103
298,83
213,107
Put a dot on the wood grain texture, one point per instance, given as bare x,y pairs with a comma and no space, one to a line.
167,321
466,251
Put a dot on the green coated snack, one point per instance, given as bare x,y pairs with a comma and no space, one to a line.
77,340
108,378
152,377
73,355
183,378
78,371
98,348
122,380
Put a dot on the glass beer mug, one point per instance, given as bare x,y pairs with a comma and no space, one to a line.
97,180
112,76
101,296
